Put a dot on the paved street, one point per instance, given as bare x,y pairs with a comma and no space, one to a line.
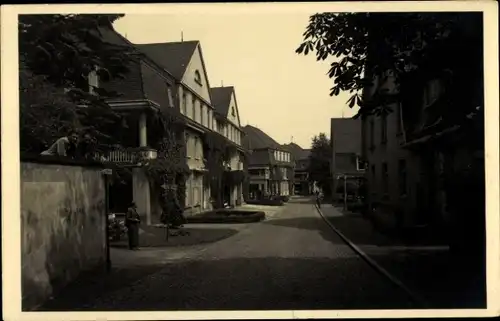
290,261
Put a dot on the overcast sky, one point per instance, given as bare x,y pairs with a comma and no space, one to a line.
278,91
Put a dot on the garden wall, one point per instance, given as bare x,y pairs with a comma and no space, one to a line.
63,222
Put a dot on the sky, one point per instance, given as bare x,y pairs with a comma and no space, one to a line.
284,94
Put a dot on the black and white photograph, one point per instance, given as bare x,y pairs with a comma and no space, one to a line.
237,158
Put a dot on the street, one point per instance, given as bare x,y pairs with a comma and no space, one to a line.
290,261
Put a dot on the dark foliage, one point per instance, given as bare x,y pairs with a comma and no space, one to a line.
57,55
217,150
437,45
319,162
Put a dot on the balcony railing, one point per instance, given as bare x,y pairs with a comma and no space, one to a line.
127,155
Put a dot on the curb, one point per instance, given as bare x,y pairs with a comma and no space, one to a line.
414,297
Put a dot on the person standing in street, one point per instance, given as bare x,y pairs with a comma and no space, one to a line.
132,221
319,196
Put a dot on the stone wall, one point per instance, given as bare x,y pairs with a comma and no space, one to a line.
62,226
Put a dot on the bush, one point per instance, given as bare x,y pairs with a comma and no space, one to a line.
227,216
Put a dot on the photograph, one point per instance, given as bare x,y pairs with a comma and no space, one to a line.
222,159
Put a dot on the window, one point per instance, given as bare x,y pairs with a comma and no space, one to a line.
383,129
233,113
169,96
372,133
209,123
193,107
385,178
195,151
197,77
93,82
399,115
184,104
202,114
360,164
402,177
186,144
431,92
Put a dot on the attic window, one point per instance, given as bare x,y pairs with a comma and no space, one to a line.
93,82
233,112
197,77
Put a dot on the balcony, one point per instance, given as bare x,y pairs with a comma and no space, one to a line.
127,156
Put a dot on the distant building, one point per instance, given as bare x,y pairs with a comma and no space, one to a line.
347,162
270,165
301,183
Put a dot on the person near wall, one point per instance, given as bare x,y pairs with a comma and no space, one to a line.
132,221
64,146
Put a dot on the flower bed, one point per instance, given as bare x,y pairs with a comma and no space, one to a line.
227,216
269,202
285,198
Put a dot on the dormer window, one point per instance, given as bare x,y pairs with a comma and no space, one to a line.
93,82
197,77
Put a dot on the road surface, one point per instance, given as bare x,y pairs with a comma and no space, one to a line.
292,261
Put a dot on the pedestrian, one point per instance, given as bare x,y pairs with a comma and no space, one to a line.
132,221
64,146
319,196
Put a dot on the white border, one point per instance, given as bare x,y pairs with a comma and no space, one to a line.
10,156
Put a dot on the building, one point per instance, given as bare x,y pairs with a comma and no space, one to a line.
270,165
170,78
146,91
414,157
184,61
300,156
347,166
227,118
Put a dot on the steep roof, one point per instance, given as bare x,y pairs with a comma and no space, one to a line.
346,135
221,98
257,139
174,57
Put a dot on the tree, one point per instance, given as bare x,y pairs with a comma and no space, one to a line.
319,162
57,53
447,45
46,113
217,151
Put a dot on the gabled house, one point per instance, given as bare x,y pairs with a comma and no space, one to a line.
300,156
145,92
227,124
184,61
270,165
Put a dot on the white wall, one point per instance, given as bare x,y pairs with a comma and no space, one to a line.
189,77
